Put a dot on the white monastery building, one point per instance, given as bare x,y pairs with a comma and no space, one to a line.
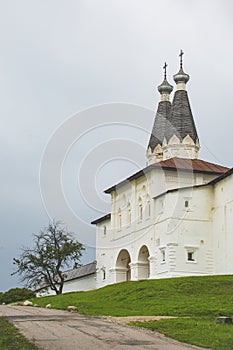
174,217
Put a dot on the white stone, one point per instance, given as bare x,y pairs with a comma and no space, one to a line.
72,308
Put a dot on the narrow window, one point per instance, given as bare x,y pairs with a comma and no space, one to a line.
140,209
163,255
186,204
103,274
148,209
105,230
161,205
128,214
119,219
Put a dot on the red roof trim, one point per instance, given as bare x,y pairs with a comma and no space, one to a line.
193,165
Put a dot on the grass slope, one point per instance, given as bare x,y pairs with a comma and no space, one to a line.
11,339
189,296
201,299
198,331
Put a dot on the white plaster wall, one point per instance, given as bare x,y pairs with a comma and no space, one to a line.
80,284
76,285
103,251
223,226
178,229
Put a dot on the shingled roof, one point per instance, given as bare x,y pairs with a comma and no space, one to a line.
70,275
80,271
180,120
196,165
159,126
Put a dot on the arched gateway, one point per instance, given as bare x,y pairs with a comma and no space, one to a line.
143,263
122,269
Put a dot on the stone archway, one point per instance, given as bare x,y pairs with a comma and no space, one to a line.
143,263
122,270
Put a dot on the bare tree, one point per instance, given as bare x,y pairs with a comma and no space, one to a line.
54,250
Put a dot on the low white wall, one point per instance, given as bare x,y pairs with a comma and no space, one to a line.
77,285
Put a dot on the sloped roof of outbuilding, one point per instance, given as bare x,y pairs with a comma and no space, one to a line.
102,218
221,177
183,164
81,271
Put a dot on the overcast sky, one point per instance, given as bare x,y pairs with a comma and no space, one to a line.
58,58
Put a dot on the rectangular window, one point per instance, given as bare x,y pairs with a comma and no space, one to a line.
191,256
191,253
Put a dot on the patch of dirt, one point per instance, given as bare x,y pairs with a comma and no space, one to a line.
128,319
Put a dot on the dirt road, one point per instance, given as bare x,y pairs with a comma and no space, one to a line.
60,330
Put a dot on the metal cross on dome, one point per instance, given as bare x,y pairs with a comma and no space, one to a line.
181,58
165,70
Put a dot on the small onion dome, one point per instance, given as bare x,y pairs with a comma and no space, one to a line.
165,87
181,77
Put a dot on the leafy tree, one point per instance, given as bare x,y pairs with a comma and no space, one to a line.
44,264
16,294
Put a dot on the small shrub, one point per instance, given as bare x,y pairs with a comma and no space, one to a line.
16,294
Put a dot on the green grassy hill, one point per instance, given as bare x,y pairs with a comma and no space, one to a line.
196,301
189,296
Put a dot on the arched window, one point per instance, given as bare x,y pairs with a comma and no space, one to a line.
119,218
128,214
148,207
143,190
124,200
140,209
103,274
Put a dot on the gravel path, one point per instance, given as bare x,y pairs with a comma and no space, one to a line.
60,330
